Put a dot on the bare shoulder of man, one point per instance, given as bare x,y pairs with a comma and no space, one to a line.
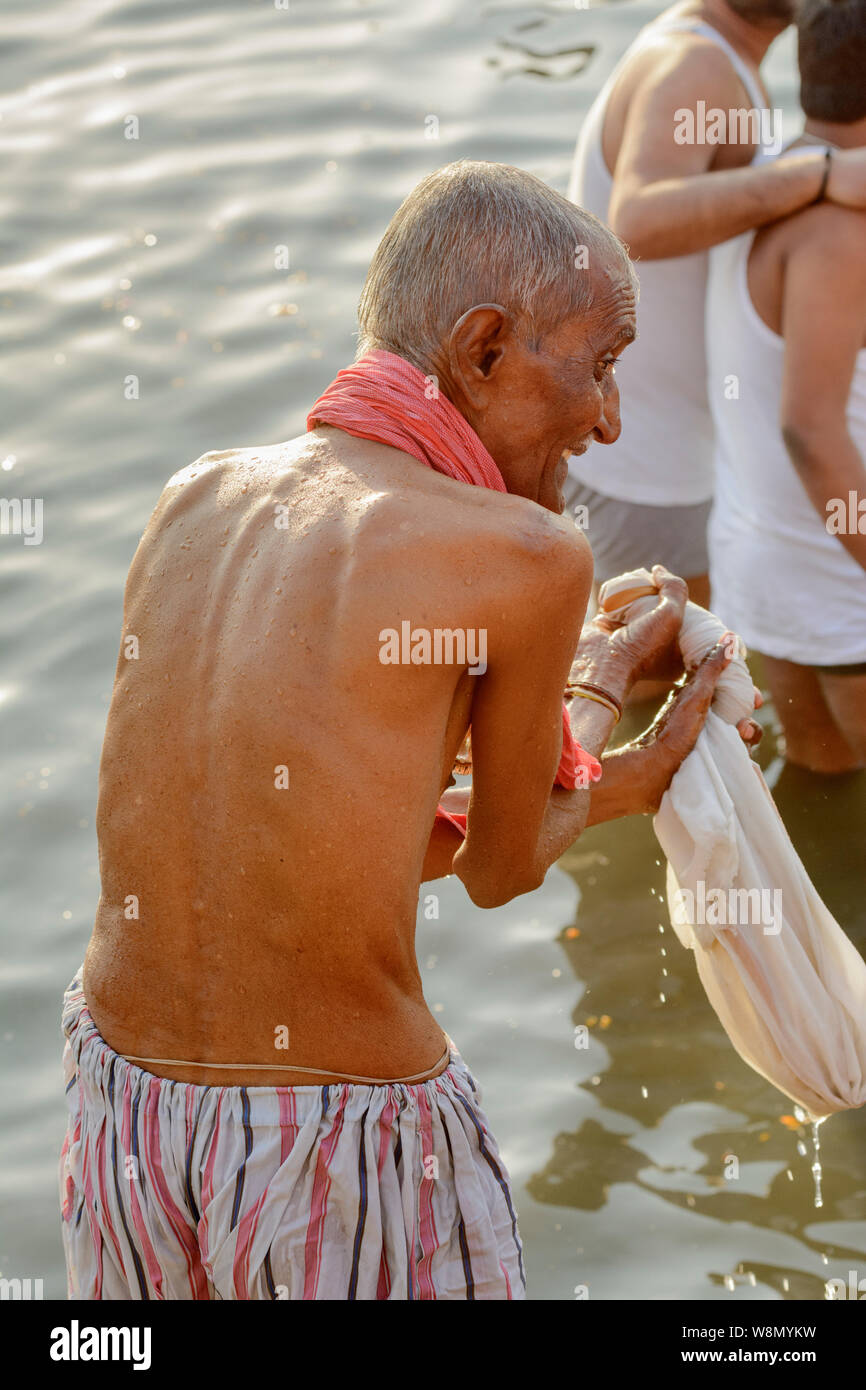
536,557
658,97
684,68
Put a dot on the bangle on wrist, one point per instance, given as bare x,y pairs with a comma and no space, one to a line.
585,690
598,675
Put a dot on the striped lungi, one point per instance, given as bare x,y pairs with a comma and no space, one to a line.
347,1191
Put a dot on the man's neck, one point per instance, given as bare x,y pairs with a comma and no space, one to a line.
845,137
750,41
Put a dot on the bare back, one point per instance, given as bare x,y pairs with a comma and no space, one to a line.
268,785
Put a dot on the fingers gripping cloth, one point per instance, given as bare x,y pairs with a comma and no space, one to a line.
384,398
785,981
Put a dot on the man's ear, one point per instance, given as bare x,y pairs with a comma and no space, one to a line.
476,346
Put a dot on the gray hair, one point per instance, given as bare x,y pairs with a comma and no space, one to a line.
479,233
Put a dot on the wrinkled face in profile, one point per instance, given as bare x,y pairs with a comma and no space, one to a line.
773,14
534,405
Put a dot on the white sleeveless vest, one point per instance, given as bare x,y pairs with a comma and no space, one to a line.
664,455
779,577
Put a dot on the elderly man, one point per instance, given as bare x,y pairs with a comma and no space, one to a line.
262,1105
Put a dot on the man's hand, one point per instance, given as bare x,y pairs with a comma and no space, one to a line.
674,731
847,182
645,647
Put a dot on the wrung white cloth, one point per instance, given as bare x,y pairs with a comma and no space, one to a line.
789,988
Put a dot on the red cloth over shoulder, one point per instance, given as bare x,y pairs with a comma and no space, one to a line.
384,398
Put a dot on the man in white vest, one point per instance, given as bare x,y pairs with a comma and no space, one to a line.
786,322
669,156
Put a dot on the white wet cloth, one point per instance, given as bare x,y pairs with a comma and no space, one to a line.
789,988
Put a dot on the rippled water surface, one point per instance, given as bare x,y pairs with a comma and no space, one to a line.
152,258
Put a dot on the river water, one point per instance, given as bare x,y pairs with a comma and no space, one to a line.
155,154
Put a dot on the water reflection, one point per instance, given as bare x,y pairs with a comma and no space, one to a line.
543,45
678,1113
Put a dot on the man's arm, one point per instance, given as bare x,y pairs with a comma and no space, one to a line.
667,202
444,842
635,777
517,716
824,324
517,826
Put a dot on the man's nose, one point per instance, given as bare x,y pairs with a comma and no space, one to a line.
607,431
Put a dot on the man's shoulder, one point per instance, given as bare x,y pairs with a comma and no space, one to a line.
510,544
823,242
400,486
821,222
226,461
686,59
531,552
509,527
